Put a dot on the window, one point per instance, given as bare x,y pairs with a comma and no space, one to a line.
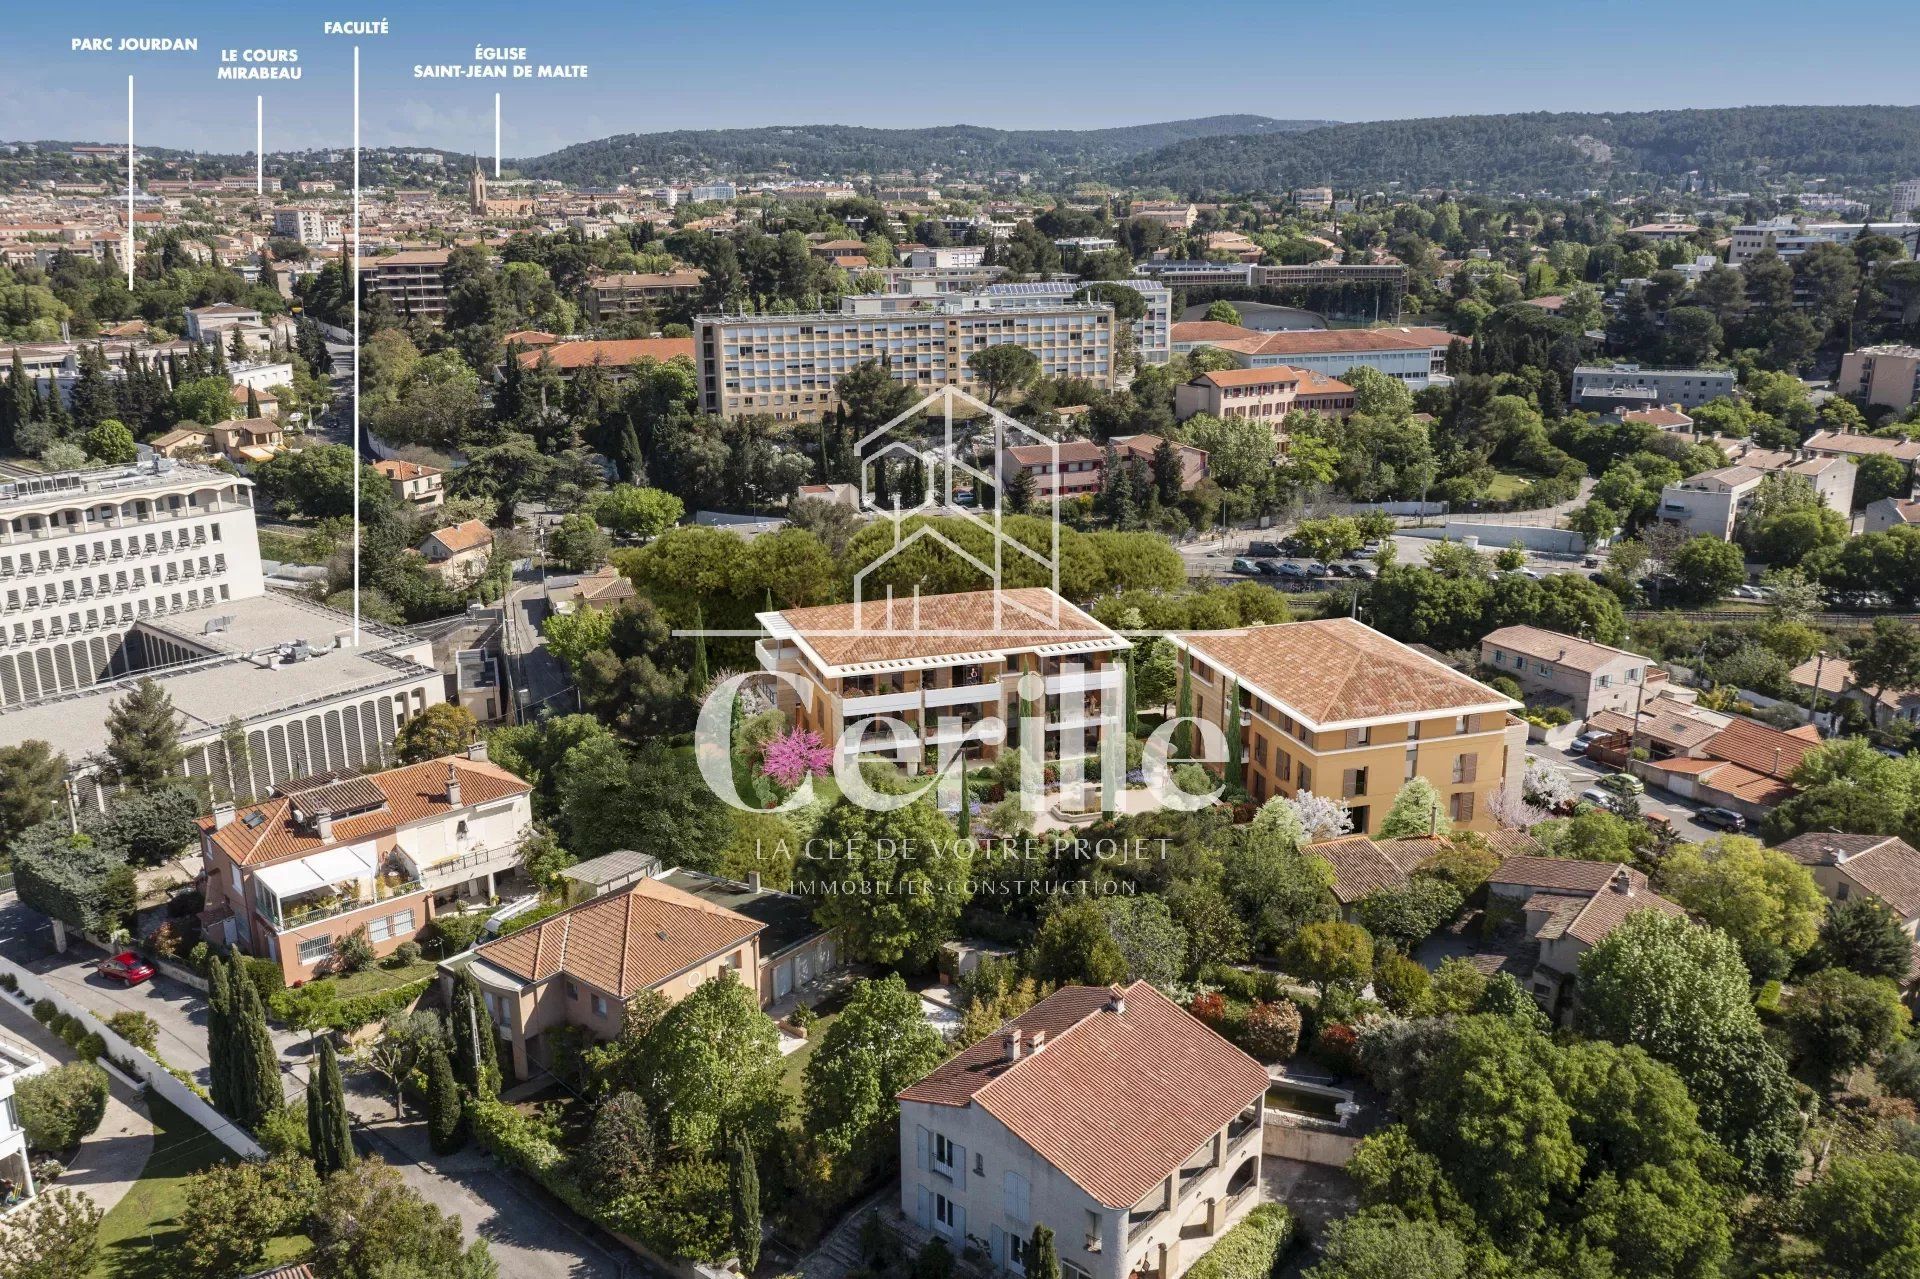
1359,815
944,1211
315,949
1462,724
1466,768
1460,806
1016,1250
1306,778
1353,782
1606,681
943,1149
599,1005
1093,1242
573,991
1358,737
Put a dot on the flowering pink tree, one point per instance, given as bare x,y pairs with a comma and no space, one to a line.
795,755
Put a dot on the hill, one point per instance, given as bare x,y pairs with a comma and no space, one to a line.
835,150
1559,153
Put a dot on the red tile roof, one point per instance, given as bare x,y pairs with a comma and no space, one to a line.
623,942
1762,748
1116,1100
612,354
467,535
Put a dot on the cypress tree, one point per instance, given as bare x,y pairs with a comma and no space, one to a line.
475,1061
1234,779
253,403
327,1124
743,1186
697,680
1183,732
1132,702
220,1035
443,1104
256,1063
1043,1262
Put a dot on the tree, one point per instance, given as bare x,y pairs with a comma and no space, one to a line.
220,1035
1840,1021
60,1107
77,880
234,1209
1152,945
443,1103
897,884
1706,568
1003,367
1380,1243
743,1198
56,1235
1075,945
254,1060
328,1127
1889,661
1761,898
717,1064
618,1159
475,1055
880,1044
1407,915
369,1224
1042,1260
1331,954
1864,935
110,442
1416,812
578,545
638,512
1865,1215
143,738
406,1041
442,729
32,787
1878,476
1276,888
206,400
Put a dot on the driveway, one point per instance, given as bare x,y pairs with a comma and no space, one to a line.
542,683
1683,813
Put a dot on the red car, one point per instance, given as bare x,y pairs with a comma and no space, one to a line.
125,966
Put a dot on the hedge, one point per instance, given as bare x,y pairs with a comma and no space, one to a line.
521,1144
1251,1250
318,1006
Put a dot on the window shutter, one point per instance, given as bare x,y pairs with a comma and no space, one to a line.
1469,767
926,1207
960,1222
960,1163
922,1144
1001,1252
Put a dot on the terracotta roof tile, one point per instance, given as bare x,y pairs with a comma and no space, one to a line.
467,535
1760,747
1560,874
1570,651
1360,866
611,354
623,942
930,626
1116,1101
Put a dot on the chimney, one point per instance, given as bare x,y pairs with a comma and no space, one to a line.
222,814
477,752
1623,882
453,787
753,881
1039,1042
1010,1042
323,824
1116,1000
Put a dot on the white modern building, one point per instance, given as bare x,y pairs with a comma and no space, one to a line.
1632,386
1790,239
1152,332
1906,197
17,1062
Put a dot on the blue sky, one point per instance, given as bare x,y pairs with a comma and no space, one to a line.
1063,64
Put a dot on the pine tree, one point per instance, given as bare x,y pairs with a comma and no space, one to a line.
220,1035
328,1128
443,1104
1043,1262
475,1061
256,1063
743,1186
143,738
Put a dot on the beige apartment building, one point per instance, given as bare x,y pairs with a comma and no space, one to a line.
1109,1115
1711,503
1884,375
638,292
1581,675
1337,708
412,281
958,658
1266,393
414,484
787,365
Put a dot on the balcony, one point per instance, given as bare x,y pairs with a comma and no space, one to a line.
464,865
327,885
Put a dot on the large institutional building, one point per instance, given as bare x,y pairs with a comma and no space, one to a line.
153,569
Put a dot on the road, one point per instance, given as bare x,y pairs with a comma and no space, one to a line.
541,681
529,1235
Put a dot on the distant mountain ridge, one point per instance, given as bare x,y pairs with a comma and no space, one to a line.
838,150
1556,152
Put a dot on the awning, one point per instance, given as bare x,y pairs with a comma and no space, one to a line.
320,871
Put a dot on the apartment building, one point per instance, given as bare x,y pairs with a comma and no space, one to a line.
1635,386
1388,276
1790,239
1168,213
639,292
1337,708
1065,1118
1152,332
787,365
412,281
1564,669
661,930
1314,199
327,855
414,484
1906,197
1885,375
1268,393
1415,356
945,257
309,226
1666,230
941,664
17,1063
1711,503
1853,446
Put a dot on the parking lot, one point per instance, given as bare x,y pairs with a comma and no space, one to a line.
1584,773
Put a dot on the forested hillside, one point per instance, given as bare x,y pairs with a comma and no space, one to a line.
1559,153
841,150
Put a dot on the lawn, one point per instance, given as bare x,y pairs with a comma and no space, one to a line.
378,977
794,1065
1505,486
138,1236
284,547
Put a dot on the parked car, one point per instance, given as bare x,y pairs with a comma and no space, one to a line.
1287,568
1261,550
1241,564
1590,561
1721,819
1623,784
1747,593
1597,797
1370,549
125,966
1583,741
1363,570
1318,569
1660,823
1341,570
